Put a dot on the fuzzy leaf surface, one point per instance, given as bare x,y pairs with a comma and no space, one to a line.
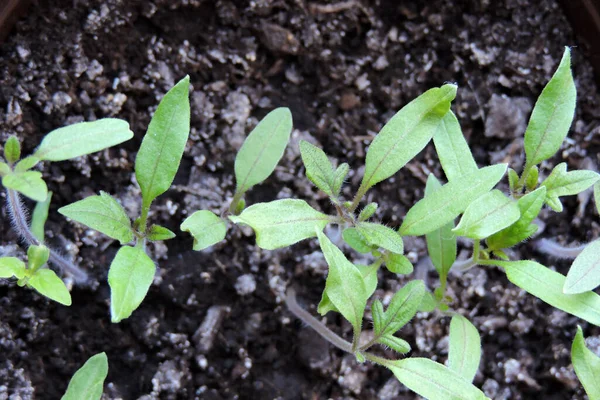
48,284
464,354
130,275
102,213
398,264
281,223
159,156
584,274
586,365
552,115
381,236
83,138
29,183
487,215
406,134
452,148
206,228
158,233
441,243
356,240
87,383
262,149
318,168
402,308
395,343
449,201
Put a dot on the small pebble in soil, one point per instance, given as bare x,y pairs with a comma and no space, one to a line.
205,335
245,284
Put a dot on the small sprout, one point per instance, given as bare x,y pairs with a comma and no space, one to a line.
367,212
12,150
532,178
513,180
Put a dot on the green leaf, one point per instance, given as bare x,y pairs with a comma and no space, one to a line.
88,381
4,169
586,365
452,148
339,176
206,228
584,274
487,215
529,207
356,240
398,264
367,212
532,178
433,381
26,164
402,308
547,285
464,354
262,149
130,276
83,138
552,115
37,256
562,183
513,179
12,150
369,275
378,315
102,213
28,183
12,266
345,286
406,134
318,168
597,196
381,236
159,156
48,284
39,217
447,203
441,243
428,303
395,343
158,233
281,223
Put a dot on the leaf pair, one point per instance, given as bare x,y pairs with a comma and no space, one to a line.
562,183
43,280
321,172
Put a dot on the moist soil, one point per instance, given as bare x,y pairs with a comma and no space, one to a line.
214,325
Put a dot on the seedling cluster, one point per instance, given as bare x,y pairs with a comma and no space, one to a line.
492,220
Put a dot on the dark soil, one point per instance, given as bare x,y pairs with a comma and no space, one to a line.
343,72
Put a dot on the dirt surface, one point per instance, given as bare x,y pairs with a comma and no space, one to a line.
213,325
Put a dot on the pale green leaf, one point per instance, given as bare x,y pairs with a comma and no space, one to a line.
12,150
406,134
12,266
356,240
29,183
532,178
262,149
398,264
367,212
586,365
529,207
206,228
452,148
562,183
82,138
39,217
102,213
4,169
48,284
369,275
487,215
447,203
395,343
158,233
597,196
281,223
402,308
464,353
441,243
130,275
584,274
37,256
552,115
378,235
547,285
428,303
159,156
88,381
318,167
433,381
339,176
378,315
513,179
26,164
345,286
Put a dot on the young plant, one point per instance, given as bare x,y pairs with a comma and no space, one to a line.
255,162
87,383
59,145
132,271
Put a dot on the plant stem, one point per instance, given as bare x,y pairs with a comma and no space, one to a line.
21,226
143,224
234,202
362,190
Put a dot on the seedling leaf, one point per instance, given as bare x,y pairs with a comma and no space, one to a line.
83,138
513,179
159,156
39,217
356,240
452,148
381,236
158,233
552,114
4,169
12,150
262,149
394,343
562,183
584,274
402,308
318,168
11,266
398,264
281,223
487,215
37,256
206,228
406,134
441,243
102,213
586,365
47,283
88,381
445,204
29,183
367,212
464,354
26,164
130,276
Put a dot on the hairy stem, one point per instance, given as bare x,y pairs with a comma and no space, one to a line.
359,195
21,226
554,249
